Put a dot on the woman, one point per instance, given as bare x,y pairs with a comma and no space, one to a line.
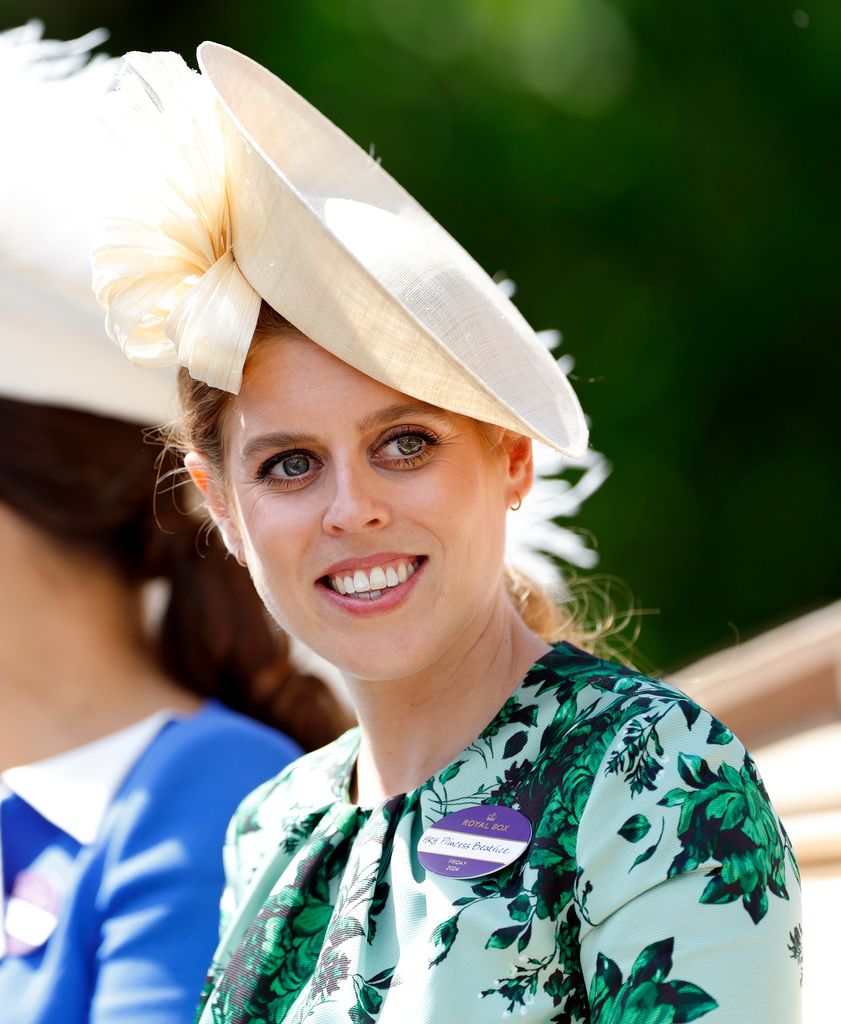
516,825
121,754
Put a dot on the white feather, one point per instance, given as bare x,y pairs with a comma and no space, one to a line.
48,184
535,542
533,538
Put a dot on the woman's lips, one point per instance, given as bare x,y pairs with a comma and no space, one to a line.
378,589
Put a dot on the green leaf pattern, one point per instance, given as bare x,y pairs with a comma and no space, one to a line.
725,818
648,995
339,922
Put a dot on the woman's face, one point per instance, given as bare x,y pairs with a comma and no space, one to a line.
372,523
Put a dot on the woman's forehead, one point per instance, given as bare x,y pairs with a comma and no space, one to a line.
291,383
287,356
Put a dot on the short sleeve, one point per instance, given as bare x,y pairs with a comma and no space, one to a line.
688,887
158,905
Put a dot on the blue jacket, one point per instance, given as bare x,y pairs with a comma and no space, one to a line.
137,913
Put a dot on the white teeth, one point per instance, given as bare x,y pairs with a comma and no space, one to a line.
374,582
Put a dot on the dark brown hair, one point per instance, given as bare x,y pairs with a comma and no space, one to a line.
89,482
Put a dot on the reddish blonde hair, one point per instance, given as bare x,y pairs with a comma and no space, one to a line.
201,428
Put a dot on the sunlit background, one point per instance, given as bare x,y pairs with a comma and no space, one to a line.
660,182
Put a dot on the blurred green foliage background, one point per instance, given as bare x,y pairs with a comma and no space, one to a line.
661,181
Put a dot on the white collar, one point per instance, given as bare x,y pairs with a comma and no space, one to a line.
73,790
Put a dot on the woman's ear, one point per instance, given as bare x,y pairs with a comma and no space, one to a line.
519,466
216,501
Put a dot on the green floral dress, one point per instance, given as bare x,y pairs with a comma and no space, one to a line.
659,885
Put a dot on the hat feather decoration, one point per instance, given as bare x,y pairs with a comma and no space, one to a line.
534,540
164,269
55,159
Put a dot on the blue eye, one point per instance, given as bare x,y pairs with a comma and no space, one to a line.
294,465
409,445
404,448
288,467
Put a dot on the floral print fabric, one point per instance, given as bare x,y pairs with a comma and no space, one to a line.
659,885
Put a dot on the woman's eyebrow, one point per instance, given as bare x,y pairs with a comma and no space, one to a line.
275,440
400,411
286,439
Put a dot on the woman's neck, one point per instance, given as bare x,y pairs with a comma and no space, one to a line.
74,665
413,727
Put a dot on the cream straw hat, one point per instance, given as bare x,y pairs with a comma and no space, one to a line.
54,350
236,190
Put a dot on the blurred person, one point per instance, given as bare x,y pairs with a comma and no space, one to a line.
125,744
517,825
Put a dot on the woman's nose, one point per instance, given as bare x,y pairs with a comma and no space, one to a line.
355,503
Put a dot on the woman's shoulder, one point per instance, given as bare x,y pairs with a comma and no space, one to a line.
228,742
601,729
568,664
215,721
616,707
629,782
192,776
163,832
307,785
582,690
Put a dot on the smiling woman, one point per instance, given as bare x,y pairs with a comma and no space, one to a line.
515,824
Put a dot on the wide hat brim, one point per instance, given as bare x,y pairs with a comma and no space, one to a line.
335,245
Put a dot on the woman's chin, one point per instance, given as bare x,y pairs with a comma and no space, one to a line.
382,660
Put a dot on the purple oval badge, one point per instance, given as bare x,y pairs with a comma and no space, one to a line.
473,842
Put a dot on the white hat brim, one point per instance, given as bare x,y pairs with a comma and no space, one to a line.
56,353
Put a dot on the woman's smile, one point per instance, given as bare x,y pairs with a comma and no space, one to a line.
373,591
